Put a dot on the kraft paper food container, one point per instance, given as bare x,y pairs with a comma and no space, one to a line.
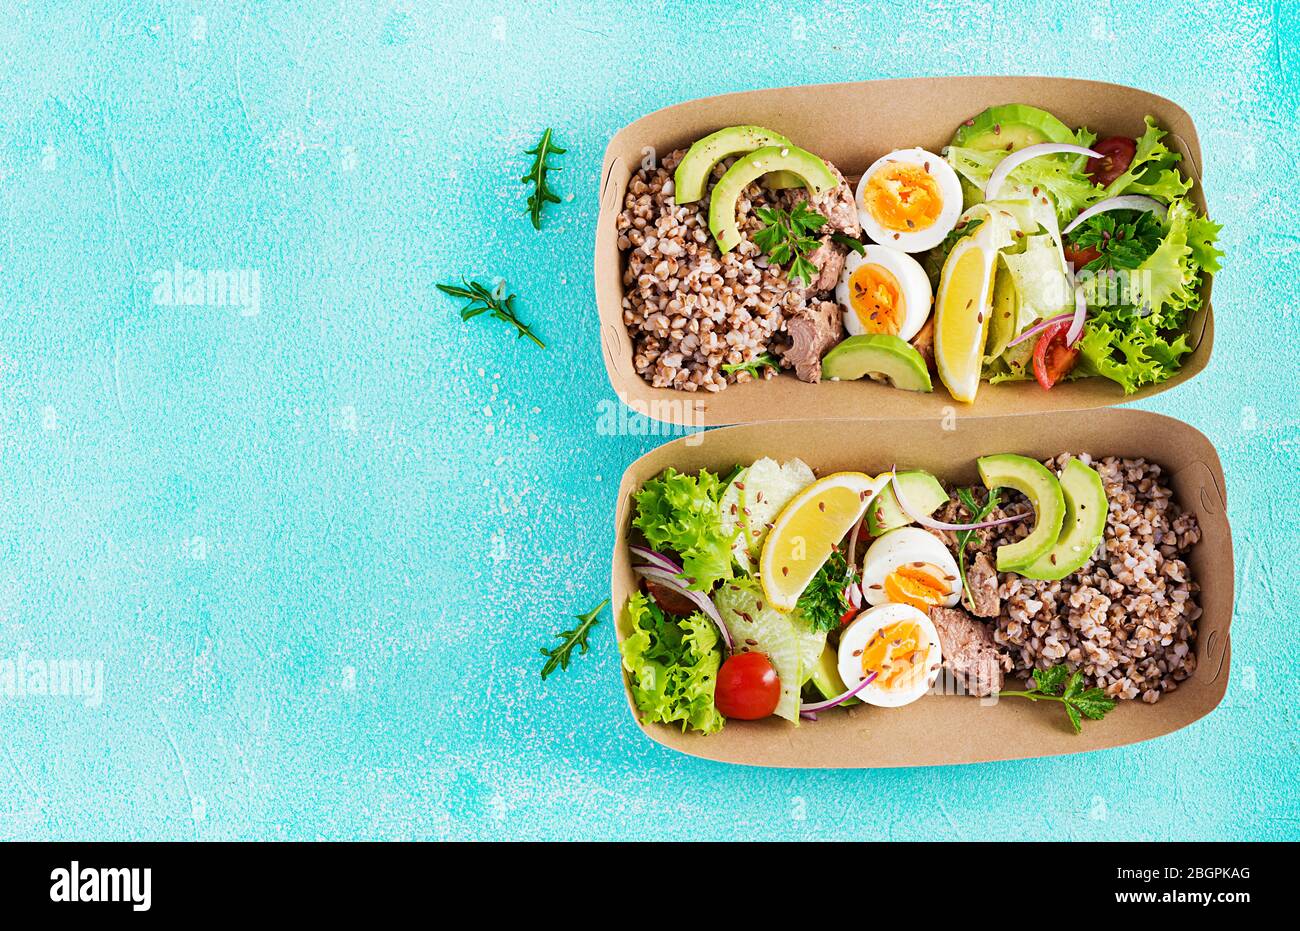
948,729
852,125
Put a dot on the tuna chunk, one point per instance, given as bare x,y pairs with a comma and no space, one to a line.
837,205
968,651
812,330
983,581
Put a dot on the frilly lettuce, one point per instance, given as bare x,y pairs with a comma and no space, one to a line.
673,666
681,513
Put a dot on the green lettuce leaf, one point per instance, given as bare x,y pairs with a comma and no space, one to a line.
1060,175
1151,160
1129,348
673,666
681,513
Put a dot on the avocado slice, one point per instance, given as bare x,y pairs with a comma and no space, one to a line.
923,493
1011,126
1085,523
1005,312
816,174
693,171
826,679
880,354
1037,483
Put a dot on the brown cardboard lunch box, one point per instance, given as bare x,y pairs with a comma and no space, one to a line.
946,729
852,125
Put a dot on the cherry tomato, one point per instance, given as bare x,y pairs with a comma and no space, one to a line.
1052,358
848,615
1080,257
748,687
1116,155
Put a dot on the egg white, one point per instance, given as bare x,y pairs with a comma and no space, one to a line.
899,547
855,639
949,191
913,284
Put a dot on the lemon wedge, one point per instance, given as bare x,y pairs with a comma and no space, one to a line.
806,530
962,313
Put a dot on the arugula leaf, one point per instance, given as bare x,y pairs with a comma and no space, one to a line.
786,238
495,303
681,513
761,361
823,602
538,176
577,637
978,513
849,242
1060,685
672,666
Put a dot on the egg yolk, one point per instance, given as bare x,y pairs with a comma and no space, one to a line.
897,654
877,299
903,197
920,585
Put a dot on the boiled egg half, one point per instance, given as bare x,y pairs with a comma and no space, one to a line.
912,567
900,645
884,291
909,200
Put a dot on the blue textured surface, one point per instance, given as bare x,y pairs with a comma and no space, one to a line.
317,546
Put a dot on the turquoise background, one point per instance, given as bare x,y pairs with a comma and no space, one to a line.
317,547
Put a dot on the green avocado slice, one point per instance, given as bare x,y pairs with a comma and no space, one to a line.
1083,528
922,492
692,173
1011,126
826,679
816,174
1037,483
879,354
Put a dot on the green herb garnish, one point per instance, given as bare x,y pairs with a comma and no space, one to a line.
495,303
786,237
849,242
559,657
1059,684
1123,244
537,176
823,602
978,513
761,361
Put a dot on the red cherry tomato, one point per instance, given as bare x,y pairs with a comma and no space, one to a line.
1052,358
748,687
1080,257
1116,155
848,615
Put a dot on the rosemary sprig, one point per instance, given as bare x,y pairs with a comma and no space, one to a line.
537,177
495,303
559,657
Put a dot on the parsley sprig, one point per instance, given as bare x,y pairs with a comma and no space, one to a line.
978,514
1123,243
537,176
1059,684
495,303
787,237
558,658
823,602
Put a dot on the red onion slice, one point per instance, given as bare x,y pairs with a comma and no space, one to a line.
702,601
853,539
1039,327
1080,314
809,709
927,521
853,595
1013,161
1127,202
658,560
